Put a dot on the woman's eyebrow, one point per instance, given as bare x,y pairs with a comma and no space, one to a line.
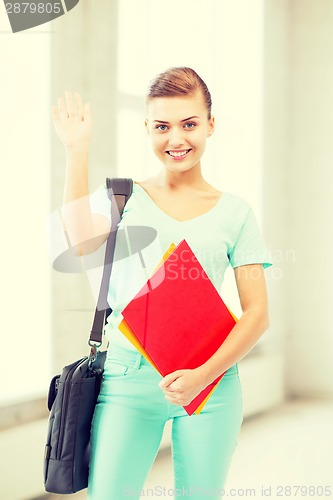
185,120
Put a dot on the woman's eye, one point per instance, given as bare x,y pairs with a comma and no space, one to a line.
162,128
190,125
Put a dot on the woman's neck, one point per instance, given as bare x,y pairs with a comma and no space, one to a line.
179,180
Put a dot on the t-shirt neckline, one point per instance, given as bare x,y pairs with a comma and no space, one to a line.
193,219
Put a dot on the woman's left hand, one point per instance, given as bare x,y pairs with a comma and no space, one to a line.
182,386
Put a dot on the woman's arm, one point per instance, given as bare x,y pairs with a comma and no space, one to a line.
182,386
73,123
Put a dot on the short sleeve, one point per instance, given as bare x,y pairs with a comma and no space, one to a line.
100,202
250,247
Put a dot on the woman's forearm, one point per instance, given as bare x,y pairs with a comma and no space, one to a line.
244,335
76,212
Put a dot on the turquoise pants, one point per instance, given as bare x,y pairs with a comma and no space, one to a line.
128,424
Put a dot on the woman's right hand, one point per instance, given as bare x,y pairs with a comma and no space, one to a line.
72,120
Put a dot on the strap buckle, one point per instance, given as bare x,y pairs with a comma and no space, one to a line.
93,352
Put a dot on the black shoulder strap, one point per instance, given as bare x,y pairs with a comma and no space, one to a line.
119,190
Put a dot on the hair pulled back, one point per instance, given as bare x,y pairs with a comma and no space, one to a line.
179,81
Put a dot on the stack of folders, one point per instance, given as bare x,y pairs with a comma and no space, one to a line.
178,320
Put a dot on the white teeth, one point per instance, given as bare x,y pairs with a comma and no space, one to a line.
174,153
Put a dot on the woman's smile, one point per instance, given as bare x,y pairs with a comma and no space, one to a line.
178,154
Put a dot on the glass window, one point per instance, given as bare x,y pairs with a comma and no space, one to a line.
25,198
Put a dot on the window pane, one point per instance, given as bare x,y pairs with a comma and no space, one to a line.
25,198
173,33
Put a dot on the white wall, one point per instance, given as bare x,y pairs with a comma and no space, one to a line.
309,174
275,161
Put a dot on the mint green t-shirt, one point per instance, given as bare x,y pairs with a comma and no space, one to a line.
228,234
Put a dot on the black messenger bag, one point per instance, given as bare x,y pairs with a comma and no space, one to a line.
73,394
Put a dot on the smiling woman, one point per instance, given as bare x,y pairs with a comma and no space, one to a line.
179,204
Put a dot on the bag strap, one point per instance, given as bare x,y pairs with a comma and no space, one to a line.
119,190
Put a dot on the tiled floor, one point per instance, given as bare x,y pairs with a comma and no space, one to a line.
286,453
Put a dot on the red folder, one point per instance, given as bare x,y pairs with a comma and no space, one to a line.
179,318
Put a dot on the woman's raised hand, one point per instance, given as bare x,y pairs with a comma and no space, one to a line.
72,120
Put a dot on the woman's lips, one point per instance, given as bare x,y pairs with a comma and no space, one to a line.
178,154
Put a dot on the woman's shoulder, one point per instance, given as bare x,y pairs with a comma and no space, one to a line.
236,199
237,206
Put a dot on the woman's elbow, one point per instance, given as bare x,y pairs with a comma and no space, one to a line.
261,319
264,322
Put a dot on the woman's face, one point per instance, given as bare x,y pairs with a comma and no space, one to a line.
178,128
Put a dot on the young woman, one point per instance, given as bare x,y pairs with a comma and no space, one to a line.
135,402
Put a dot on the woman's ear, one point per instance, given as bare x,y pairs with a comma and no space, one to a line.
146,125
211,125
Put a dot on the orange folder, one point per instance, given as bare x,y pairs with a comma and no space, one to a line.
178,320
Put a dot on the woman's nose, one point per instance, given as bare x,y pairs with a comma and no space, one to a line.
176,138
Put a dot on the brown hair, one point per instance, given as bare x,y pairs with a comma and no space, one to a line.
179,81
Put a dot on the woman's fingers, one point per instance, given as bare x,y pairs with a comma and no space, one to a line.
79,105
71,111
62,108
70,106
72,119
